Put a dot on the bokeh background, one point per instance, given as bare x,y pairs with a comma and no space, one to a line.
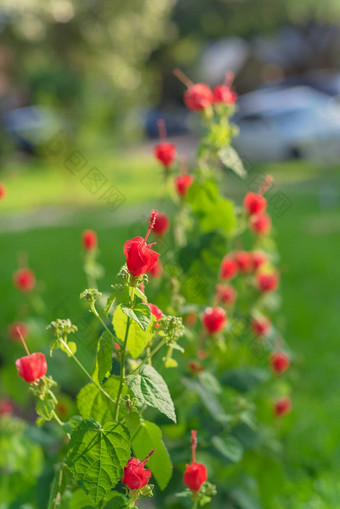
82,84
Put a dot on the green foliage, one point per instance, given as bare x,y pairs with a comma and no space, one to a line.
150,389
138,338
140,313
212,210
228,447
103,364
92,403
97,456
148,436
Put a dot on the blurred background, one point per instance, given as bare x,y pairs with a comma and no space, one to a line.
82,85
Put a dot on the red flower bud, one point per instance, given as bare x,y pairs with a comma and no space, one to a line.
156,270
3,191
16,329
24,280
214,319
267,281
224,94
165,153
228,269
196,473
260,224
244,261
89,240
260,326
162,224
282,406
258,259
279,362
156,312
198,97
140,258
226,294
32,367
182,184
255,203
135,475
6,407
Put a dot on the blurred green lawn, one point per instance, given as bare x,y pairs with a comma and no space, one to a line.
308,240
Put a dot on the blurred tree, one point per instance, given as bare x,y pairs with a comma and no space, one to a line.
85,56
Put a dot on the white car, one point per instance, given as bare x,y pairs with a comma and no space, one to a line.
284,123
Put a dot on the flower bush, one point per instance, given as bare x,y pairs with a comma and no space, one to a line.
186,341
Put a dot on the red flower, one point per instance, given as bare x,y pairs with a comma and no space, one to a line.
228,269
244,261
16,329
226,294
279,362
32,367
260,326
140,258
162,224
3,191
6,407
89,240
135,475
182,184
156,312
214,319
165,153
198,97
195,474
267,281
260,224
224,94
282,406
258,259
156,270
255,203
24,279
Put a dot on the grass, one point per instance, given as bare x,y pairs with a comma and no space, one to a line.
308,239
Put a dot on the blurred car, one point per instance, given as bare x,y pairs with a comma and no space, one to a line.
285,123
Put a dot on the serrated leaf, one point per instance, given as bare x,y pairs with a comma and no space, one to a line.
229,447
140,294
138,339
118,501
148,436
140,313
230,158
150,389
103,364
97,456
92,403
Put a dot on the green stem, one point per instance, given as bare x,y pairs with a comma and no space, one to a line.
152,353
85,371
57,418
95,312
195,506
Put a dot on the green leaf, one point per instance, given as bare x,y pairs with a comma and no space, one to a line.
211,209
45,408
208,399
103,364
117,501
132,421
141,313
109,303
140,294
97,456
79,500
230,158
138,339
92,403
150,389
148,436
229,447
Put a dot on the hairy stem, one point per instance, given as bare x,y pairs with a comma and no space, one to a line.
148,357
85,371
95,312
